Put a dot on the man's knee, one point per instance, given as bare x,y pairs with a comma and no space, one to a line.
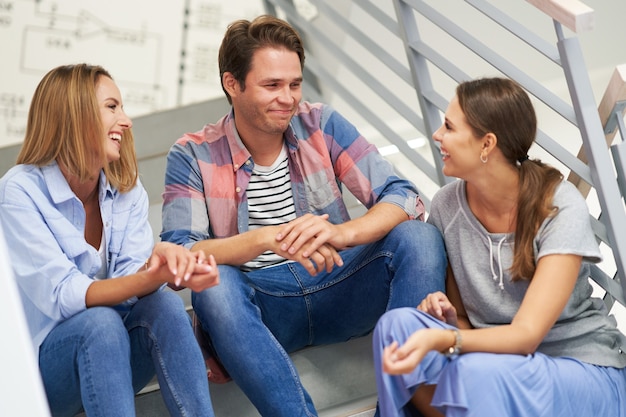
220,299
416,236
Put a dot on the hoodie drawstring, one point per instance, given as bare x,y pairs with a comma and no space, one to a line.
493,272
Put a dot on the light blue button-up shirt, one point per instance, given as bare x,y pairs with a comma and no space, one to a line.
53,264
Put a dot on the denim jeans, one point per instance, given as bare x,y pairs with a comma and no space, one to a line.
256,319
98,360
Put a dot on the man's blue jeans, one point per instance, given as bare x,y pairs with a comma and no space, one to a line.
255,319
97,360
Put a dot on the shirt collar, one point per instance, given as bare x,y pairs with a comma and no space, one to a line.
59,188
239,152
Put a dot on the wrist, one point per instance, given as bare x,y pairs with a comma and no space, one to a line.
455,348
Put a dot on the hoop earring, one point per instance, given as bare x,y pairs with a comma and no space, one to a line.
483,160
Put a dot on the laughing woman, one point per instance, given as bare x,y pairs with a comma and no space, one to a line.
75,218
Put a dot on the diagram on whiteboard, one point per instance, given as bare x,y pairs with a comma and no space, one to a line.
161,54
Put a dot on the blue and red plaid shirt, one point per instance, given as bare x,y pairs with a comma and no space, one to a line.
208,172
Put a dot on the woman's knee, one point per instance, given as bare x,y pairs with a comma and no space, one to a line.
396,325
162,303
103,327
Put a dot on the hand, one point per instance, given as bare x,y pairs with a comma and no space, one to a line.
205,273
439,306
174,264
403,359
325,257
304,240
308,233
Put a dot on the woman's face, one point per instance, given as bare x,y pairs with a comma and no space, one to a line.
114,120
460,149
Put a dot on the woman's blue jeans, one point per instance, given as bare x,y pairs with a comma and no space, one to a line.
98,360
255,319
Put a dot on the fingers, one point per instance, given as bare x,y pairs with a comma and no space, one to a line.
436,304
396,361
308,229
179,262
326,257
206,275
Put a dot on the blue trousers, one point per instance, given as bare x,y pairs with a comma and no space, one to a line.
488,384
255,319
98,360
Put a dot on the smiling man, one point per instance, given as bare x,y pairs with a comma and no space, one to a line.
261,190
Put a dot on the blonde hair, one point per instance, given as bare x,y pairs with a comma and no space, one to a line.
64,125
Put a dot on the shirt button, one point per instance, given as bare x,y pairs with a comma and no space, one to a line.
238,189
236,166
248,162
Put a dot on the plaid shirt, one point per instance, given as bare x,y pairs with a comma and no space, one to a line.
208,172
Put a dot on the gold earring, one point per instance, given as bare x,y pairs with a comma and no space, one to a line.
483,159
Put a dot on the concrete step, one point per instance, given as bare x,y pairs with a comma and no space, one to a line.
339,378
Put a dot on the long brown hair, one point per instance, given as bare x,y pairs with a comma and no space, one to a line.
64,125
502,107
243,38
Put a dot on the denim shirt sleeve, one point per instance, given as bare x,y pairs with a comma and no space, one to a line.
47,248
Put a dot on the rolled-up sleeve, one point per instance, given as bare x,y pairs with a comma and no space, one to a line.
185,217
365,172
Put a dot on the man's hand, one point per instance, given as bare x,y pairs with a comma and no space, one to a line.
312,241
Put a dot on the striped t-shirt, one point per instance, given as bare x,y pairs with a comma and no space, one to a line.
270,202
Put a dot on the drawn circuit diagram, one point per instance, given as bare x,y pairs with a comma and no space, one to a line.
161,54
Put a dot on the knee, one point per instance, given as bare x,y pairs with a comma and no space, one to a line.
417,237
395,325
485,367
104,328
164,305
222,298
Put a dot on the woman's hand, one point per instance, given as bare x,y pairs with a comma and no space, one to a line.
205,273
178,266
439,306
403,359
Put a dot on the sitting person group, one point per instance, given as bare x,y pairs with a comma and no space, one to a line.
483,308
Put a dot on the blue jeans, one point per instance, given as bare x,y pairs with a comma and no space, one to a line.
255,319
98,360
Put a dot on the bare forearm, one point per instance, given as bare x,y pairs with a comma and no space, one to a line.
238,249
111,292
373,225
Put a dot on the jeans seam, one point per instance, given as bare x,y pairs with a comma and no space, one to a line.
159,356
89,379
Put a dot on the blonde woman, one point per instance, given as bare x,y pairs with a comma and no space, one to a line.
75,217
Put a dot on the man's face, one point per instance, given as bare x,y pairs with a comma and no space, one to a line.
272,92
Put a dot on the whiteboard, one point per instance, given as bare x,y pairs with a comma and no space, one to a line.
161,54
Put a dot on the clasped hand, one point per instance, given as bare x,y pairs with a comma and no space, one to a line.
312,241
179,266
